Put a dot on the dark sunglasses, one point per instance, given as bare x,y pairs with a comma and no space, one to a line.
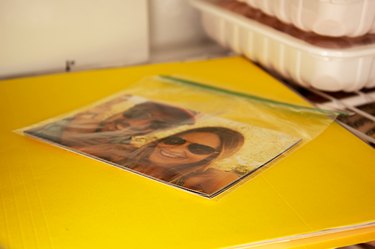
195,148
137,114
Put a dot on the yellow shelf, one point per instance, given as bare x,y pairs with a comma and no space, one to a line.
52,198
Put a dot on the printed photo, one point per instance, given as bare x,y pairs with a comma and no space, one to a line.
194,151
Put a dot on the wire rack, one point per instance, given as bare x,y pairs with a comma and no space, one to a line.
359,105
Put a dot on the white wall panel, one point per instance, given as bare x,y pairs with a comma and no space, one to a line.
40,35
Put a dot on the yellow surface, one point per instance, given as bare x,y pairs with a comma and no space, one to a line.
52,198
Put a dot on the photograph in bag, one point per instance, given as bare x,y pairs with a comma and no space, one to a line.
197,152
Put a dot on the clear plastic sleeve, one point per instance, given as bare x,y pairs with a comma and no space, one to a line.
190,135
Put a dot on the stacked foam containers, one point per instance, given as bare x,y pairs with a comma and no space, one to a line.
325,44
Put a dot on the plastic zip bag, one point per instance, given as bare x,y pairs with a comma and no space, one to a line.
186,134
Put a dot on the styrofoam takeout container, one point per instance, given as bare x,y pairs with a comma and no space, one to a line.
325,17
326,69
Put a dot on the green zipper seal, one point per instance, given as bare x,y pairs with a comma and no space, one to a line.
247,96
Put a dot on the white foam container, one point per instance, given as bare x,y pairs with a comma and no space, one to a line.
325,17
348,69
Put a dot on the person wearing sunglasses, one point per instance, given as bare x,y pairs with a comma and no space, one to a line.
185,158
182,159
92,127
